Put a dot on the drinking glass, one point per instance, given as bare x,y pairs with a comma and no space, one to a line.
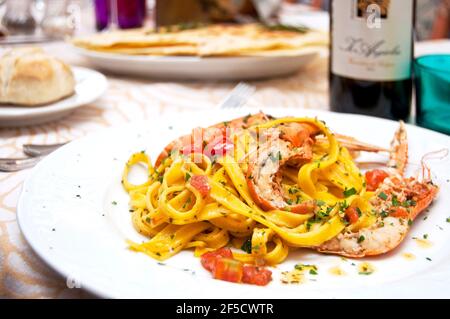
18,18
432,74
56,19
124,14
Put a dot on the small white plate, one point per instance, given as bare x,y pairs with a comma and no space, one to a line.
90,85
74,213
197,68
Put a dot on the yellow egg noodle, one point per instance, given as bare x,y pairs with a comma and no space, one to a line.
175,215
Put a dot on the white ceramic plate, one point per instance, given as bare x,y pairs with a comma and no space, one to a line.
197,68
66,213
90,85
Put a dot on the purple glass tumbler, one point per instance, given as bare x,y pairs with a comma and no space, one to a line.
123,13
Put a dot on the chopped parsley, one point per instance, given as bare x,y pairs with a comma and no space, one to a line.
343,206
305,266
187,177
313,272
349,192
247,246
448,220
409,203
382,195
425,236
320,202
323,214
114,202
359,211
395,201
361,239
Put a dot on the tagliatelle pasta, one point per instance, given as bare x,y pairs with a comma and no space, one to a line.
177,212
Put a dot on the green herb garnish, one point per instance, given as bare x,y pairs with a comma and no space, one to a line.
395,201
320,202
313,272
382,195
247,246
409,203
349,192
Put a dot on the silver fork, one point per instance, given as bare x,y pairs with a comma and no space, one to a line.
235,99
36,152
238,96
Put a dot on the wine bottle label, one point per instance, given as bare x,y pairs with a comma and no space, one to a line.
372,39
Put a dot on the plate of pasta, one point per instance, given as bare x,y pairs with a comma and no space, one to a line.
284,203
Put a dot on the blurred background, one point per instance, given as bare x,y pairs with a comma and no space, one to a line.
43,20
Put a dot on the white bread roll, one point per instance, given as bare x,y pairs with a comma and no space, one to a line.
29,77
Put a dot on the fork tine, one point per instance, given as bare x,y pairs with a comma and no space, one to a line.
34,150
238,96
17,164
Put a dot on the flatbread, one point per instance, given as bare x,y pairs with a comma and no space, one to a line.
189,50
213,40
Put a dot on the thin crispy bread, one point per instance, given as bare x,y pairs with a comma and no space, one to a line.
214,40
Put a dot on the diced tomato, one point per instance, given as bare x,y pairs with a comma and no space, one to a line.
374,178
200,183
223,267
400,212
352,215
256,275
228,269
209,259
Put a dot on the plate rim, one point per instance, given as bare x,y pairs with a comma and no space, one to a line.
183,59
